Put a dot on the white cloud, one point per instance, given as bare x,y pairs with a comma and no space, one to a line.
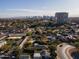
25,12
31,12
74,12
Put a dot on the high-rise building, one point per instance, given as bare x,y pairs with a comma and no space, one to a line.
61,17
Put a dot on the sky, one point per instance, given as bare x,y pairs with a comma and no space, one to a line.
15,8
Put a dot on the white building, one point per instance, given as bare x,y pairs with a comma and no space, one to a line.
2,43
37,56
24,56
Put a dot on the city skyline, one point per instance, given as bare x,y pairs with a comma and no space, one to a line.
15,8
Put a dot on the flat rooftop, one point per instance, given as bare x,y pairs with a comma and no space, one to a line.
15,36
